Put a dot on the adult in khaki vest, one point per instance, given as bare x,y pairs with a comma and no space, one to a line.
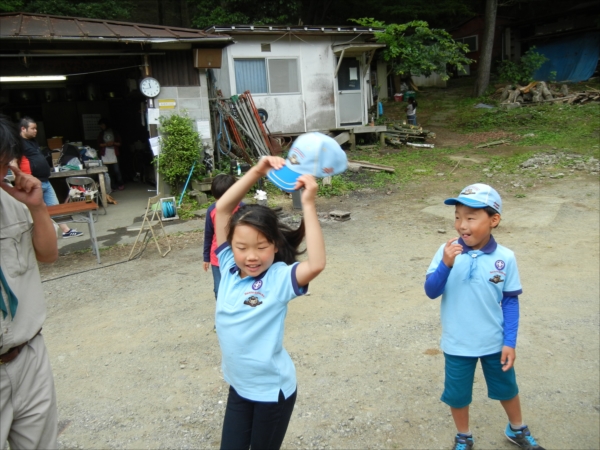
28,413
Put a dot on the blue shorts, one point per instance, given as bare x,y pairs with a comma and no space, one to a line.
50,198
460,372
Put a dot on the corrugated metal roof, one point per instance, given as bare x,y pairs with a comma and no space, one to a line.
46,27
300,29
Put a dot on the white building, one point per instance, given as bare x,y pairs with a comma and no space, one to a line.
306,78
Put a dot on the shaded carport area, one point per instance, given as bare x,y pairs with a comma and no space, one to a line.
99,65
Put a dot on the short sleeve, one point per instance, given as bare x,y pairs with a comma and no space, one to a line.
512,282
225,256
437,259
282,279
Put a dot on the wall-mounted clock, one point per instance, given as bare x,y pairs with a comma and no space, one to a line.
150,87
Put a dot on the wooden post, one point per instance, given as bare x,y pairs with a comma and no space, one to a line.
102,183
382,139
352,140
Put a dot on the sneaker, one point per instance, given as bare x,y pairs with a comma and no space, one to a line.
522,438
72,233
463,442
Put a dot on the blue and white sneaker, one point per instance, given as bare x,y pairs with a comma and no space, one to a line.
522,438
72,233
463,442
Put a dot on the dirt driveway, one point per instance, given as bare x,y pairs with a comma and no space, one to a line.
138,366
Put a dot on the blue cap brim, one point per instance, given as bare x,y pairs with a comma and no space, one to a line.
284,178
465,201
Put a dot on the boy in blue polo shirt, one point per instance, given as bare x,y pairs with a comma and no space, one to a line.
478,280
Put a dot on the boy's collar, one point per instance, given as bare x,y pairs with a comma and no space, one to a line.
490,247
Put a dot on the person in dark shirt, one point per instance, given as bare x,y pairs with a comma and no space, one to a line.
33,162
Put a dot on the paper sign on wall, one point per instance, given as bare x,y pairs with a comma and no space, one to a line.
91,129
353,73
155,145
153,114
167,103
203,127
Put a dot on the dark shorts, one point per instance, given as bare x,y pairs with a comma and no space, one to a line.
460,372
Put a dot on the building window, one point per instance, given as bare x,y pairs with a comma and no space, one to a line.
267,76
283,76
250,75
471,41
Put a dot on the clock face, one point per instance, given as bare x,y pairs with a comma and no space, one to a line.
150,87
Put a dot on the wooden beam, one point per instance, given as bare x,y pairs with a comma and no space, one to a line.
368,165
339,64
342,138
369,63
369,129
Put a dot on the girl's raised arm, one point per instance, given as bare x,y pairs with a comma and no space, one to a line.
235,194
315,244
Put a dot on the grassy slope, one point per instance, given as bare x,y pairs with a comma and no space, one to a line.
547,128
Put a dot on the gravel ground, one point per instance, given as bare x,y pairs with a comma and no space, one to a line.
137,364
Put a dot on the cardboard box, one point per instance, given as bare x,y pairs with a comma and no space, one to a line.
55,143
55,157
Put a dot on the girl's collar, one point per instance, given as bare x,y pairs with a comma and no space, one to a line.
235,269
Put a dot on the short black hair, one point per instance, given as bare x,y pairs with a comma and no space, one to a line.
25,122
220,184
104,122
10,141
490,211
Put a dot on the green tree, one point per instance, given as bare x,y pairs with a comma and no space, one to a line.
212,12
103,9
485,59
415,49
180,148
521,72
11,5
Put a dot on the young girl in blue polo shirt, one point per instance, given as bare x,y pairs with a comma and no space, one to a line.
259,276
478,280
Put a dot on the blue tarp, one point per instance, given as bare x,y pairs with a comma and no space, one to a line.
574,58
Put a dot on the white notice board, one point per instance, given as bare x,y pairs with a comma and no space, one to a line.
91,129
155,145
203,127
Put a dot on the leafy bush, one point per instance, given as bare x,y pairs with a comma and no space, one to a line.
414,48
180,147
521,72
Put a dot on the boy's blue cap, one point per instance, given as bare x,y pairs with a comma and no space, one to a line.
478,196
311,154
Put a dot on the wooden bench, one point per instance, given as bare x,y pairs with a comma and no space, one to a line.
70,209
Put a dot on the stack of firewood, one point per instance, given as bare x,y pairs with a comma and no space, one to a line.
592,95
539,92
403,134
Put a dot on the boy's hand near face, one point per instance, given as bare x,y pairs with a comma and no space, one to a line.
508,358
451,251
